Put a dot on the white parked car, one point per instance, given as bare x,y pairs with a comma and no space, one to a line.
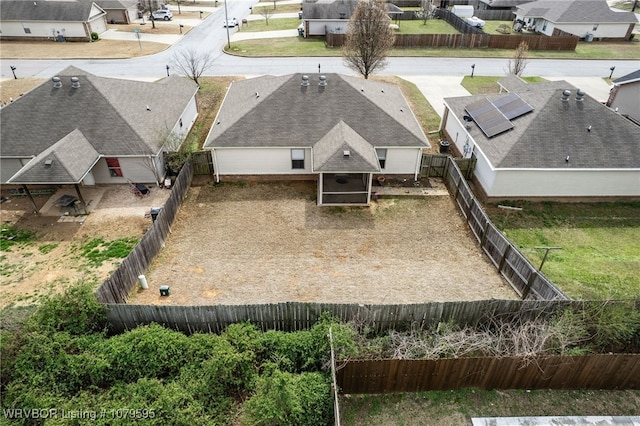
162,14
233,22
474,21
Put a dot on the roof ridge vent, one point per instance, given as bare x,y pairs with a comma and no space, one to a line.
75,82
305,80
322,81
57,83
580,95
565,95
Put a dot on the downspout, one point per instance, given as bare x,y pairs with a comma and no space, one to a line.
215,165
418,163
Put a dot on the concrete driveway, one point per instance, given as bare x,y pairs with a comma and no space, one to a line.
437,87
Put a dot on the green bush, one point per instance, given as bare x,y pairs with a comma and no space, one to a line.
94,36
283,399
76,311
147,351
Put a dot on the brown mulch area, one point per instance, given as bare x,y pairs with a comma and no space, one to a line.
269,242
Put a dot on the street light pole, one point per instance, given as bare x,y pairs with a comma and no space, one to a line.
226,24
611,69
167,70
13,70
473,68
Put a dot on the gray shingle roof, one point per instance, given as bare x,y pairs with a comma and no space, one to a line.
286,114
328,9
328,152
116,4
70,159
39,10
629,78
555,130
565,11
504,3
111,114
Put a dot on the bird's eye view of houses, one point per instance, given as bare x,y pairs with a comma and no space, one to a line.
320,212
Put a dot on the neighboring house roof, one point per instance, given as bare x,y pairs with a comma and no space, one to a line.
117,4
337,9
503,3
39,10
576,11
68,160
554,130
629,78
109,116
278,111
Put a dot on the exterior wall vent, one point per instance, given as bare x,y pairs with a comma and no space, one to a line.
48,163
57,83
346,153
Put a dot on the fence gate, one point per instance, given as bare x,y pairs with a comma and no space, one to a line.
202,163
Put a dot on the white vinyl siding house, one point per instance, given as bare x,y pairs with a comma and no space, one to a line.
551,152
589,19
337,130
110,131
70,20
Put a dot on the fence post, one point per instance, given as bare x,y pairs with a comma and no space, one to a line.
504,257
527,288
334,384
483,238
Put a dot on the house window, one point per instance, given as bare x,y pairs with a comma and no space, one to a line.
544,26
343,15
595,27
382,156
113,164
27,30
297,158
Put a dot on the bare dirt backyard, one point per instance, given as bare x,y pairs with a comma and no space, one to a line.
264,243
52,259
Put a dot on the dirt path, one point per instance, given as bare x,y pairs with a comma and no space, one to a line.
266,243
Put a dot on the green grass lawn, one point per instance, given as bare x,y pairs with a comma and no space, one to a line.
433,26
275,24
481,85
280,8
600,245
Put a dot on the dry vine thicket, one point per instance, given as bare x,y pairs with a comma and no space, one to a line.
597,327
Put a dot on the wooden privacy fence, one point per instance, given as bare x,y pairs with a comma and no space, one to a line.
437,165
293,316
117,287
526,280
202,163
601,371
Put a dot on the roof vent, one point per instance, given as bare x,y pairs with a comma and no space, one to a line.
257,95
48,163
305,80
57,83
580,95
346,153
323,81
565,95
75,82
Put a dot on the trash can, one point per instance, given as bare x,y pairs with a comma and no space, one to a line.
299,15
300,31
164,290
155,211
444,147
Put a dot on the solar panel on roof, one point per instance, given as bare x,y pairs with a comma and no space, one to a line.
512,106
489,118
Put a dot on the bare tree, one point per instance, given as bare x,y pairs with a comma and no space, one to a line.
426,11
369,38
192,63
519,61
266,13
